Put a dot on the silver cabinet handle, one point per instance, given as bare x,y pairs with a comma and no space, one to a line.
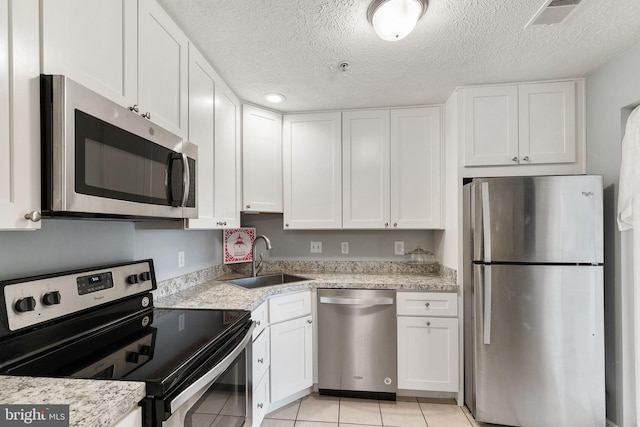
34,216
428,323
427,305
525,159
286,225
221,223
147,115
309,321
248,206
134,108
514,159
386,224
395,224
261,360
258,322
260,405
356,301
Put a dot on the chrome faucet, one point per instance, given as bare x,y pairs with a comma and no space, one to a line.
256,268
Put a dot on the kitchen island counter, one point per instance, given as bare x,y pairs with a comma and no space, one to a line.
91,402
220,294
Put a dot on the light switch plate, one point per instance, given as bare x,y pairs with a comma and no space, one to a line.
399,247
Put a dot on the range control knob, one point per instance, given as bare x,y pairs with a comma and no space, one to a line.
132,279
51,298
133,357
145,276
145,350
25,304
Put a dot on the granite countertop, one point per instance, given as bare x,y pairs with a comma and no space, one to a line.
94,403
219,294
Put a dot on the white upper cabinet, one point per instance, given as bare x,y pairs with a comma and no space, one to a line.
95,43
202,95
162,68
130,52
547,122
226,169
365,169
524,125
416,168
312,171
19,114
261,160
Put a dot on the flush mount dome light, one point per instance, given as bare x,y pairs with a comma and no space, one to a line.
394,19
274,98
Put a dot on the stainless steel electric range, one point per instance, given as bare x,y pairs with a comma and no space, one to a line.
101,323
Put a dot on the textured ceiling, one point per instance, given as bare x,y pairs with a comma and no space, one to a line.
294,47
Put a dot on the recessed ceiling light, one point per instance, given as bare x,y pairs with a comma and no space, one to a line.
274,98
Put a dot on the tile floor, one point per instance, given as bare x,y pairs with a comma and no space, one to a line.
329,411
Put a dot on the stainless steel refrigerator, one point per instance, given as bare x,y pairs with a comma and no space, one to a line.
533,301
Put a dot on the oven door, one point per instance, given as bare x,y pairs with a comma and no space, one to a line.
222,395
100,159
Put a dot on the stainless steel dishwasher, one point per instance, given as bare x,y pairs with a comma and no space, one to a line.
357,343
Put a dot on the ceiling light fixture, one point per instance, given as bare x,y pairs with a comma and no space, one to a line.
274,98
394,19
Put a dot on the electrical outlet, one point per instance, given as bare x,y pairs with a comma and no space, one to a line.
345,247
316,248
181,259
399,247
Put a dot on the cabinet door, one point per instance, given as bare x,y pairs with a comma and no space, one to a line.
202,94
312,171
19,113
365,169
416,168
547,123
227,158
291,357
428,353
261,160
490,125
162,68
95,43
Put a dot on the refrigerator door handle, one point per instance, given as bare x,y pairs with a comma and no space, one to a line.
486,312
486,222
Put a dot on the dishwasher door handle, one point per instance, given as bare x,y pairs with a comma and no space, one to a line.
356,301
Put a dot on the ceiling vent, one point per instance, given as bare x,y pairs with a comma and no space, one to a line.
554,12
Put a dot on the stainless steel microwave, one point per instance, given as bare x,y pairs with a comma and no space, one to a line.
101,160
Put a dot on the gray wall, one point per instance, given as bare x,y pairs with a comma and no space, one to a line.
71,244
363,244
612,90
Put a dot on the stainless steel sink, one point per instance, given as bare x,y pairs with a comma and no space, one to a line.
268,280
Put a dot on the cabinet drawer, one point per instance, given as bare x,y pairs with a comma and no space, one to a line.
260,400
427,304
261,352
261,316
289,306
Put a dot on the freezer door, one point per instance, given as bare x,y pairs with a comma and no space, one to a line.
539,345
551,219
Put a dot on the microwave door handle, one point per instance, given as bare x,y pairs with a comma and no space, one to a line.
186,179
173,158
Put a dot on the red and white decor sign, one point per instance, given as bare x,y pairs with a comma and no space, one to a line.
237,244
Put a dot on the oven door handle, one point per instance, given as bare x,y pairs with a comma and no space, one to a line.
211,375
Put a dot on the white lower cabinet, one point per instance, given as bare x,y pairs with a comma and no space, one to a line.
291,357
132,419
427,345
260,400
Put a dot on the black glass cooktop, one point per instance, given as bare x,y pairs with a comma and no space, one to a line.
161,347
